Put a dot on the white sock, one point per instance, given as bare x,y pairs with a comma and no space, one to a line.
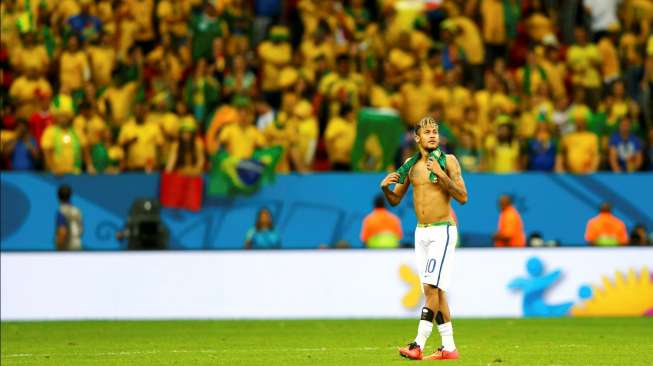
423,332
446,332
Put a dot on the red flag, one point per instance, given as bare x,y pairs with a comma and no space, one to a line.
181,191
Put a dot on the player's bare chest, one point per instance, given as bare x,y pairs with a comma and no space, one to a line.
419,174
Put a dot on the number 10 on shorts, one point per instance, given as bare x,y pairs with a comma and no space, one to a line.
430,266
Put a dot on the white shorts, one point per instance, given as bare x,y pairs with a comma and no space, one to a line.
435,249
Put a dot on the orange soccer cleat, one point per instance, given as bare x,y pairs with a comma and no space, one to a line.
412,351
441,354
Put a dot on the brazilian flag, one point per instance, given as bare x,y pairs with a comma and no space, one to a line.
378,137
231,175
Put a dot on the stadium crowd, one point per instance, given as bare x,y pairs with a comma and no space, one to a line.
148,85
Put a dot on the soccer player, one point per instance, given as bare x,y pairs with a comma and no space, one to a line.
436,178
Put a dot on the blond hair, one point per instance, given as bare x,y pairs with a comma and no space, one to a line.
425,122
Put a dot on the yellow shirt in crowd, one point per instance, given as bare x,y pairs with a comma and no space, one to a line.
340,136
274,56
91,128
74,69
31,58
583,61
470,40
24,91
453,100
64,150
416,101
241,141
494,30
120,101
102,61
581,151
143,152
610,60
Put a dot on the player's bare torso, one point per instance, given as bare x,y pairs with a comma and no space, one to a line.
431,201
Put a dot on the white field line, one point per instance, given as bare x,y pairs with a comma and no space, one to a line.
152,352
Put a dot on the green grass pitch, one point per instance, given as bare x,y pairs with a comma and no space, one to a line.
567,341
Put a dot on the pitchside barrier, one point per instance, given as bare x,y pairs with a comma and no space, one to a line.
322,284
314,210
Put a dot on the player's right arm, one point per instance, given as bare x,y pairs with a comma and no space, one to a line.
394,195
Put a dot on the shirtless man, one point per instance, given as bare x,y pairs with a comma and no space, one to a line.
435,236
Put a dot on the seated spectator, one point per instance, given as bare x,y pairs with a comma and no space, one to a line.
381,228
141,141
510,232
69,224
605,229
626,150
187,154
639,236
263,235
579,150
340,136
541,149
22,150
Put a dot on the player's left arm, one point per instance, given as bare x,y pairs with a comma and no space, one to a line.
453,181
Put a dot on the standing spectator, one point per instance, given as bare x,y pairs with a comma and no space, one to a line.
603,14
340,136
63,148
74,68
263,235
541,150
85,25
610,67
141,141
187,154
605,229
265,13
584,59
579,150
503,151
205,27
494,29
469,155
381,228
241,138
23,150
202,92
626,150
40,119
510,232
239,81
107,156
25,92
102,57
69,224
274,53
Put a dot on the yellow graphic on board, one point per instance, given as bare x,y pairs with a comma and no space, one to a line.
627,295
413,297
